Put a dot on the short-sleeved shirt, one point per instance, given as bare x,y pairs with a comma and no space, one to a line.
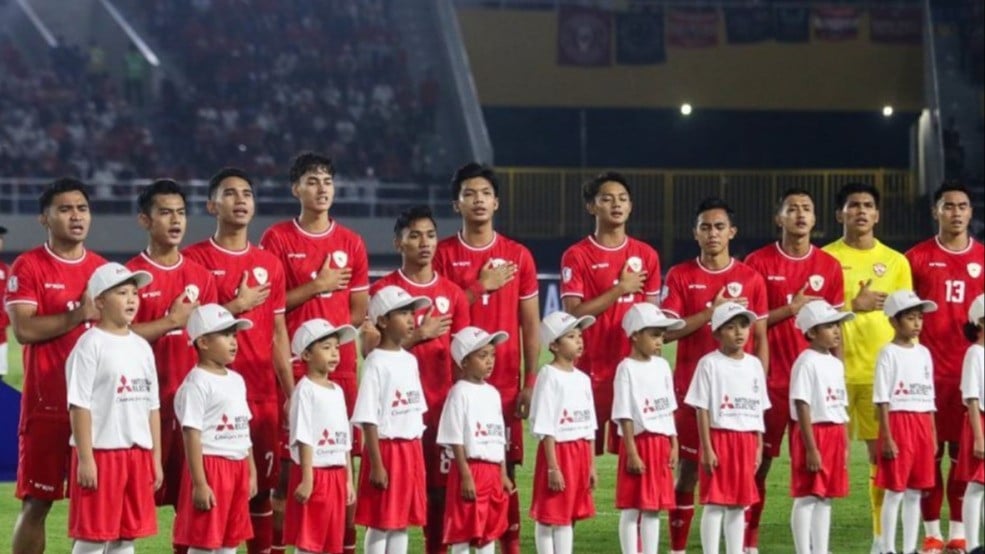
473,418
216,405
952,279
113,376
390,395
973,375
254,358
434,356
302,255
904,379
318,418
174,354
498,310
691,288
733,391
588,270
864,336
644,393
784,276
819,380
4,318
41,278
562,405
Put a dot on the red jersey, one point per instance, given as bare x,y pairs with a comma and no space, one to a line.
4,318
953,280
174,354
500,309
691,288
302,255
254,357
434,356
588,270
55,285
785,276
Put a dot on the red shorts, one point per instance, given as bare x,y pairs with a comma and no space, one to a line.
654,490
514,426
686,422
173,460
776,419
733,483
478,521
122,504
914,465
832,480
43,456
404,502
574,459
603,393
950,410
227,524
318,525
350,388
969,467
264,434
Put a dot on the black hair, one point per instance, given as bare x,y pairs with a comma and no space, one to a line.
473,170
410,215
60,186
793,191
950,186
899,315
591,187
224,174
714,203
160,187
855,187
309,161
971,330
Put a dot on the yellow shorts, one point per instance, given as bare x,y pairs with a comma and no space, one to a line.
863,422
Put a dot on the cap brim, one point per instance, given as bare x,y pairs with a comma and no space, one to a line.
498,337
346,334
239,325
751,316
583,322
926,306
140,278
415,303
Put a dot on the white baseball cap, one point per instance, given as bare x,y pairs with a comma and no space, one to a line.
977,309
728,310
470,339
314,330
212,318
819,312
557,324
112,274
392,298
644,315
904,300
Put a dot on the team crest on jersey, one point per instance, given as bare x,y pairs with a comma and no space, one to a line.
340,258
191,292
635,264
12,284
734,289
260,274
496,262
565,274
974,269
442,304
879,269
816,282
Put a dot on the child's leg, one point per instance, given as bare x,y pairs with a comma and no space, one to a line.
459,548
120,547
564,539
971,513
888,517
711,528
822,525
801,519
374,542
650,532
735,529
396,541
628,530
911,519
88,547
488,548
544,538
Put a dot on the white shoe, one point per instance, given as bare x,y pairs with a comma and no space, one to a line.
752,550
876,547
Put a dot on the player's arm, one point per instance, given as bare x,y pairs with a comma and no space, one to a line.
804,423
247,297
307,454
530,335
31,328
696,320
175,318
889,449
253,473
81,421
975,422
709,461
467,487
634,464
555,479
358,307
327,279
202,496
630,282
282,357
155,435
762,347
377,472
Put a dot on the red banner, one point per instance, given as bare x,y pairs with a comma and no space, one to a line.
835,23
692,28
584,37
896,25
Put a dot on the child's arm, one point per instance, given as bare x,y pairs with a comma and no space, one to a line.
709,461
155,434
889,449
555,479
674,451
81,421
253,474
202,496
634,464
504,477
350,490
593,476
307,455
468,483
807,435
282,359
759,450
377,473
975,419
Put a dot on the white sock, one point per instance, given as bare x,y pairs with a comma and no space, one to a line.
89,547
303,551
911,519
800,523
932,529
735,529
889,516
650,532
488,548
628,530
955,530
120,547
193,550
459,548
544,538
821,526
374,542
711,528
564,539
971,513
397,541
226,550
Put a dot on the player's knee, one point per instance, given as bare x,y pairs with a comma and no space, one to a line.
261,504
687,477
35,510
952,450
764,468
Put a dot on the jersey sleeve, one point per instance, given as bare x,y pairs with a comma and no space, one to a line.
622,399
699,392
460,318
572,274
278,288
22,284
653,273
367,409
210,294
271,243
800,381
764,397
189,406
972,373
359,282
543,408
836,296
904,276
302,429
81,374
758,301
672,294
529,287
882,386
451,427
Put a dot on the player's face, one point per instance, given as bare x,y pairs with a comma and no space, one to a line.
219,347
316,190
476,200
713,231
796,216
569,346
233,202
323,356
67,219
478,366
827,335
167,220
953,212
649,341
733,334
118,306
612,204
418,241
860,213
908,324
398,324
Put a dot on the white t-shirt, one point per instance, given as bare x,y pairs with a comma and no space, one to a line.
216,405
904,379
390,395
732,390
819,380
973,375
319,419
644,393
473,418
562,406
114,377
